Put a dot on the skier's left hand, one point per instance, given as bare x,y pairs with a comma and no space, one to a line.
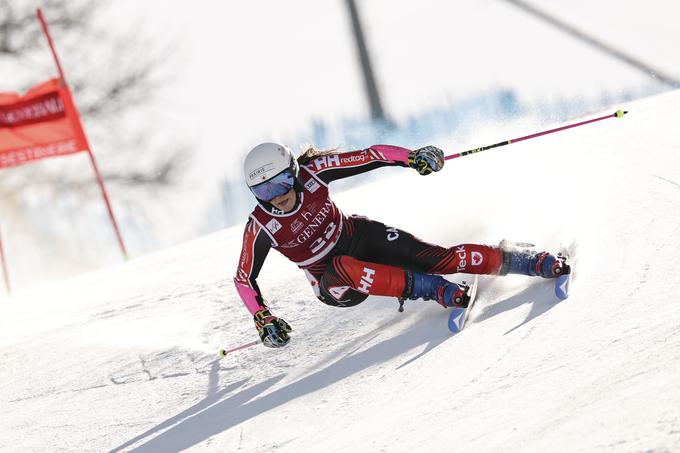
426,160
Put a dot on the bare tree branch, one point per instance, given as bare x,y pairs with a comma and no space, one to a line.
113,78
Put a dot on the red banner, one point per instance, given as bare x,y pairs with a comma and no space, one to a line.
42,123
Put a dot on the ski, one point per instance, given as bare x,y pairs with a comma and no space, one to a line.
459,316
563,281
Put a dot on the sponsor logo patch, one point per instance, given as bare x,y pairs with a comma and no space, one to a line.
361,157
477,258
289,245
312,185
296,225
323,162
338,292
273,225
392,234
462,258
366,280
259,172
315,222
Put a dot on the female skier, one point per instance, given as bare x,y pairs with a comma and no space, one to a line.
348,258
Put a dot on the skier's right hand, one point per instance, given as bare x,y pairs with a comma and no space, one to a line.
273,331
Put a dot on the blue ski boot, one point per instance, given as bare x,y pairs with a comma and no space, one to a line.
527,262
435,287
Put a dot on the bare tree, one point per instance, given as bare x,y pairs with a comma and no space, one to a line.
113,75
104,93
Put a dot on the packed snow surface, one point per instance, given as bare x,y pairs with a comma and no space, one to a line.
126,359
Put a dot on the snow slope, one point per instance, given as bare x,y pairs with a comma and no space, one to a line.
125,359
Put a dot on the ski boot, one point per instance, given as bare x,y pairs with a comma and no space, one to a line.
435,287
528,262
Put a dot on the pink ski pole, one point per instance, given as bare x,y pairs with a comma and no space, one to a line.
617,114
224,352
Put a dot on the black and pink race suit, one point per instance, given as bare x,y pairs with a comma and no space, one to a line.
347,258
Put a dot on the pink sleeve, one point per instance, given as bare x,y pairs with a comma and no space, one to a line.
248,265
248,296
393,153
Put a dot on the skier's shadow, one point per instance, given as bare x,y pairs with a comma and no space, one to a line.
213,415
540,295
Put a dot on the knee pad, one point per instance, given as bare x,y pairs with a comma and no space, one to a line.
341,296
337,286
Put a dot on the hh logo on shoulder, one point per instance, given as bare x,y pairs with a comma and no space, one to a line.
312,185
273,225
323,162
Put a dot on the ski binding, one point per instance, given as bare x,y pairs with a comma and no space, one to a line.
459,316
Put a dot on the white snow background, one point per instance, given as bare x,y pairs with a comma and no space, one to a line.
125,359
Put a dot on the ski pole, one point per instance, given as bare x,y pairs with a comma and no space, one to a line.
617,114
224,352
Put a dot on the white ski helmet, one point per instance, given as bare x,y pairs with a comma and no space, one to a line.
268,162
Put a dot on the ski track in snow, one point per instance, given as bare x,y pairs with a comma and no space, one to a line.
125,359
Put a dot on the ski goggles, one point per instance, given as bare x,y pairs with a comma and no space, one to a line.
278,185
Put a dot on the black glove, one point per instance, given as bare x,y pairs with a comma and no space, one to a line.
426,160
273,331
